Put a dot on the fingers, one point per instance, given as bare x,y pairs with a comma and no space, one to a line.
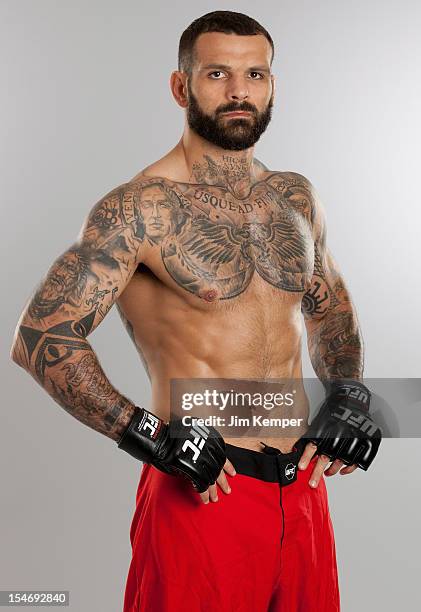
318,471
334,467
348,469
320,468
223,482
229,468
337,465
307,455
205,496
211,494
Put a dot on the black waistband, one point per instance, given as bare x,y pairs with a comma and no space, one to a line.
271,465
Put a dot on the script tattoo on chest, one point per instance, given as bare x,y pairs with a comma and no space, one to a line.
211,239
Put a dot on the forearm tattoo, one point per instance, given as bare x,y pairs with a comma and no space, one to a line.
334,337
78,291
63,362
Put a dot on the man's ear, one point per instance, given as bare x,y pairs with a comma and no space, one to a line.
273,79
178,86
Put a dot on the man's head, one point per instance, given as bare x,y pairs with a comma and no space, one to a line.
224,63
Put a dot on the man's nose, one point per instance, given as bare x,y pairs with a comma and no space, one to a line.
156,212
237,89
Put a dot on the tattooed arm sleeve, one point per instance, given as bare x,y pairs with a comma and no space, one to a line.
77,292
333,332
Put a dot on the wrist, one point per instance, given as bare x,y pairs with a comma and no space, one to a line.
351,390
143,436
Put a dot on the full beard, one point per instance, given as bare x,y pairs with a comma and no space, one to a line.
235,135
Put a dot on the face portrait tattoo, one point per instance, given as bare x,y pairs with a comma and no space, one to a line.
157,213
65,282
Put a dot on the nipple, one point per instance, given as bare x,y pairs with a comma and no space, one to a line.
210,295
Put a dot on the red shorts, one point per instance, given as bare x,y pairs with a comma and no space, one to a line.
268,546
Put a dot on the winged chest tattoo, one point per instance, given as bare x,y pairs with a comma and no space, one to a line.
210,239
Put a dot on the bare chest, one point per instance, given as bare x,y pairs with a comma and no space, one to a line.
213,245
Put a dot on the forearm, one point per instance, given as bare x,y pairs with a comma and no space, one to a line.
63,362
335,343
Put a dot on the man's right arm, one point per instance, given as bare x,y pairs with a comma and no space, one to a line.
51,344
70,302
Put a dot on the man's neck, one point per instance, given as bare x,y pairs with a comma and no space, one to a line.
206,163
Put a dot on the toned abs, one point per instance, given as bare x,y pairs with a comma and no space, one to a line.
220,288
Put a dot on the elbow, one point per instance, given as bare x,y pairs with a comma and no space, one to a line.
14,355
16,352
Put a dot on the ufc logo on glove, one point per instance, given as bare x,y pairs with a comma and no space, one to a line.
359,421
199,440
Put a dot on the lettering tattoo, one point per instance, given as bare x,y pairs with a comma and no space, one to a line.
232,173
211,240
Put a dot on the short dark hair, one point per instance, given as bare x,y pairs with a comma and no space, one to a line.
227,22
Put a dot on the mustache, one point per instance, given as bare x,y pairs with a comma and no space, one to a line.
229,108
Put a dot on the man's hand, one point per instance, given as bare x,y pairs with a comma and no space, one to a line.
343,432
197,453
321,464
212,492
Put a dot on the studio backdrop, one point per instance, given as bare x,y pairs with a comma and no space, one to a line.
86,105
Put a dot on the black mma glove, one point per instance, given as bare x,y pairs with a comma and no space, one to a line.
198,453
343,428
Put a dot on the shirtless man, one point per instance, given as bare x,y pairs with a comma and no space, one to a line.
212,259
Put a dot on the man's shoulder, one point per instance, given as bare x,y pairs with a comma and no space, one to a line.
143,178
293,185
166,169
298,192
290,177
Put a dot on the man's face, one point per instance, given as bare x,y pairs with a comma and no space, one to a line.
230,73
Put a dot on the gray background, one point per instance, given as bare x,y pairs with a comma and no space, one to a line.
85,105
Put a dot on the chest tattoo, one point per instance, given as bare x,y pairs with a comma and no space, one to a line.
212,241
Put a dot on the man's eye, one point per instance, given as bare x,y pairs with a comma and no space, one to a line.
259,74
216,72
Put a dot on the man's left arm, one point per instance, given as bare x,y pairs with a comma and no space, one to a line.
339,431
333,332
